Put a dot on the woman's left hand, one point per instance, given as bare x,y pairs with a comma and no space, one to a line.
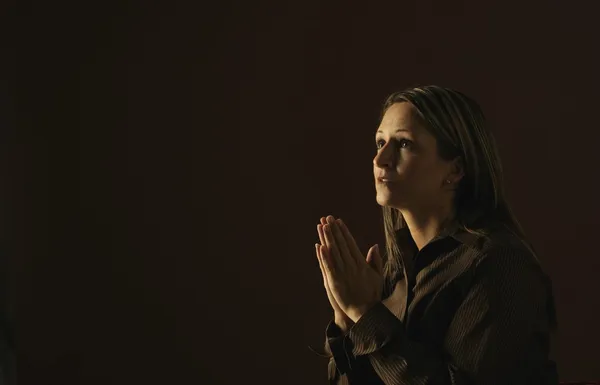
355,282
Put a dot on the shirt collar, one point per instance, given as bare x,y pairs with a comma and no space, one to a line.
460,234
407,244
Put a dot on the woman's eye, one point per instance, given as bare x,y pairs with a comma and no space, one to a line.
402,143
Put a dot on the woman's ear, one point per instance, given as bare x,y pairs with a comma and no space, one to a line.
457,171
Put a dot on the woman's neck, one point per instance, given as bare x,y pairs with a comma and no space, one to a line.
426,225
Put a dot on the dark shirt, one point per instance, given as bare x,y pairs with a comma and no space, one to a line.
473,310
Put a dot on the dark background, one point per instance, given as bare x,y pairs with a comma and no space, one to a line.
172,160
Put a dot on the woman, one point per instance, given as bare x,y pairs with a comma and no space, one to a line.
459,296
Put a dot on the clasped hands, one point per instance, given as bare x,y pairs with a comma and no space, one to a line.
353,283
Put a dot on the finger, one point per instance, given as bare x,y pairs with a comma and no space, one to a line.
321,258
378,260
321,234
374,259
352,246
340,241
326,274
333,260
321,230
326,259
332,301
369,259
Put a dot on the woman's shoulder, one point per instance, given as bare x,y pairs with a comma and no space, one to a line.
500,245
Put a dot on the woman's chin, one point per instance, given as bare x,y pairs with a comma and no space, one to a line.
386,200
389,199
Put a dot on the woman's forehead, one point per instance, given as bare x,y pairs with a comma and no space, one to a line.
399,117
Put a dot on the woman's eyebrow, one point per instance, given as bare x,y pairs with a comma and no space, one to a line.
398,130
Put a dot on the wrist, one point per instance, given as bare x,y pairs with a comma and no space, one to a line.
358,313
342,323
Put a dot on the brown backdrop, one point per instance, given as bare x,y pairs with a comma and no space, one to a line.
172,161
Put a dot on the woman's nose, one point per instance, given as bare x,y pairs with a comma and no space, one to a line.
384,158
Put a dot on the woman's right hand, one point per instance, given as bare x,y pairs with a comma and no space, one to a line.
340,318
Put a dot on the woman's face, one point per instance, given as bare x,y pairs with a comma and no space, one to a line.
407,155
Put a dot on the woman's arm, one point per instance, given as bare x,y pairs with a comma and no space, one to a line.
486,341
344,368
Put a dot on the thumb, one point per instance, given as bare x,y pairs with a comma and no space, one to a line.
374,259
